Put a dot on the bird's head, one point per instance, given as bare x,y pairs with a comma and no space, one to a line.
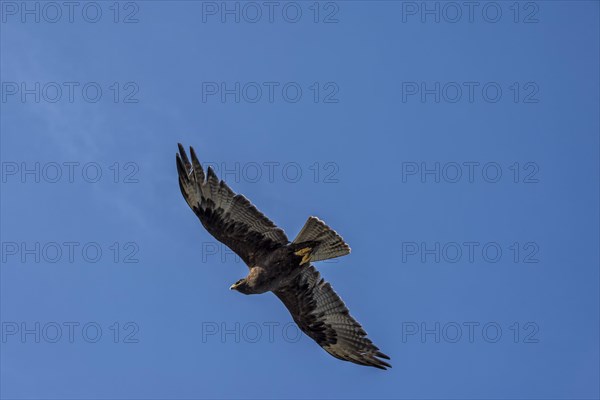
241,286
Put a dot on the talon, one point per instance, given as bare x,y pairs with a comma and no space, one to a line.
305,254
303,251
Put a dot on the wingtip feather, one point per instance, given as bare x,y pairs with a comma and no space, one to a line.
181,168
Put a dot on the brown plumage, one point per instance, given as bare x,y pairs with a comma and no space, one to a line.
277,265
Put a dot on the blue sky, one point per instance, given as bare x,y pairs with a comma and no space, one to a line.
455,149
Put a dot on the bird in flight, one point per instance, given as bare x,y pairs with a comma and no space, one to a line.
278,265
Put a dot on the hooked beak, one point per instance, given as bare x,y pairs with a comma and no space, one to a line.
235,285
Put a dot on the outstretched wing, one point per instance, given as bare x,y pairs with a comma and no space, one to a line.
229,217
323,316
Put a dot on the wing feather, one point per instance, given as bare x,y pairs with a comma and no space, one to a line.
323,316
229,217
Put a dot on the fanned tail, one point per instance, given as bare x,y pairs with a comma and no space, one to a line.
316,241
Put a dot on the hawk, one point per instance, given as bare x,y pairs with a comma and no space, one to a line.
278,265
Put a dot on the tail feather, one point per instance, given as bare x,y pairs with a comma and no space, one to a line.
325,243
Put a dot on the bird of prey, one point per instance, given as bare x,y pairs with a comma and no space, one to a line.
278,265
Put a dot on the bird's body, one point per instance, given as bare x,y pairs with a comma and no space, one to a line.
272,271
278,265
